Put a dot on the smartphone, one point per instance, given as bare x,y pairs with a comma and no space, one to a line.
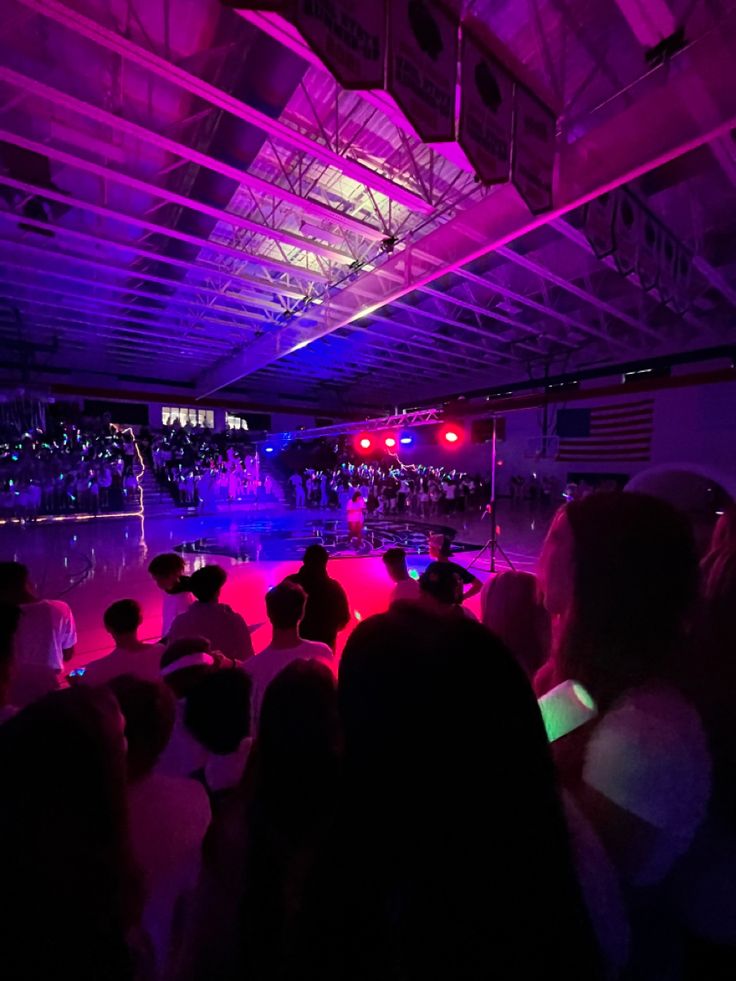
566,708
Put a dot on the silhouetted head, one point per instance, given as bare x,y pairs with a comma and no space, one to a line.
285,605
206,583
621,571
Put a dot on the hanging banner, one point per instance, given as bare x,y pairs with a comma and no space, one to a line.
625,233
648,255
534,150
349,38
668,257
422,66
486,103
598,224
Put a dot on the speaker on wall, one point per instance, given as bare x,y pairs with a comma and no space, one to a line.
481,430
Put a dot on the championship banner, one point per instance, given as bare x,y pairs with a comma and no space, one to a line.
625,233
486,112
422,66
649,255
534,150
598,224
349,38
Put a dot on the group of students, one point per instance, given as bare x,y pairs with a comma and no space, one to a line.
200,467
68,469
194,811
389,488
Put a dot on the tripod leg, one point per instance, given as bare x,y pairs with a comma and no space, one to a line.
505,557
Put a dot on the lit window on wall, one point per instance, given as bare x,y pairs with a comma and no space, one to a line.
171,414
235,422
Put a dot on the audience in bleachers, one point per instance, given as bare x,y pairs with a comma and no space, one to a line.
68,470
196,812
389,488
200,466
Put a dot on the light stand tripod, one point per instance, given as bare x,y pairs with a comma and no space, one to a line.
492,546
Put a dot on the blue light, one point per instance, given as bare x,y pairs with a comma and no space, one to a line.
268,449
406,440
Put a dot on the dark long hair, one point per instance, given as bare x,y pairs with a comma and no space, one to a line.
449,857
289,793
67,872
635,585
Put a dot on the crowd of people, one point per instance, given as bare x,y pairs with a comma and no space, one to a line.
389,489
200,467
68,469
193,809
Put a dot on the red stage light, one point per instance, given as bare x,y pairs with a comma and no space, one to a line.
364,443
390,441
451,435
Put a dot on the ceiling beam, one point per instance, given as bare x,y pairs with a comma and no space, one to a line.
117,124
543,272
112,41
210,245
280,235
618,150
164,300
209,272
161,318
578,238
491,312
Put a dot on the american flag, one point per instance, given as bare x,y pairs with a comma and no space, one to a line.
606,433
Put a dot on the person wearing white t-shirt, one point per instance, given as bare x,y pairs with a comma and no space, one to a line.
285,605
168,815
45,638
167,571
405,588
356,516
131,656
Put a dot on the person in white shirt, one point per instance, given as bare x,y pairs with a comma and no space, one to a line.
405,588
225,629
212,724
167,571
356,516
45,638
285,605
168,815
131,656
